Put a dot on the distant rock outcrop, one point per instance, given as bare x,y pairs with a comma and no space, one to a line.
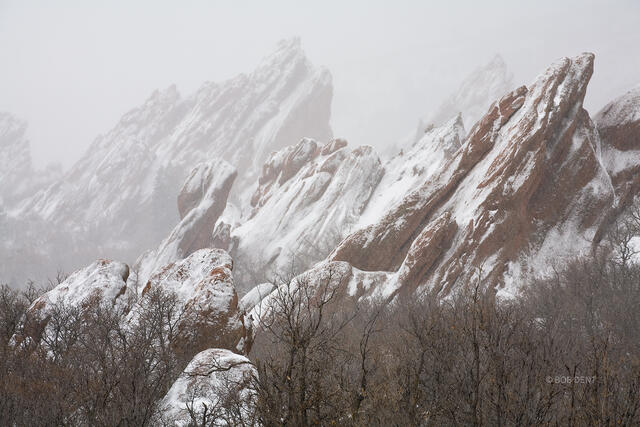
118,199
18,177
475,94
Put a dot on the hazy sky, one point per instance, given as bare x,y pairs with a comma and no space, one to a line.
72,68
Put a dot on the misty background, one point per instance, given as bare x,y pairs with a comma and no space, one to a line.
72,68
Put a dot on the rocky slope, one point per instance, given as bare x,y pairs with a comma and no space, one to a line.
619,127
307,197
527,179
18,177
413,166
530,186
119,197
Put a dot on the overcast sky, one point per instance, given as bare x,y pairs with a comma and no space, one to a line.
72,68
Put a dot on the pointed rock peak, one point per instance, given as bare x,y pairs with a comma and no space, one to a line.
448,137
170,94
475,94
291,43
456,123
286,51
497,62
567,74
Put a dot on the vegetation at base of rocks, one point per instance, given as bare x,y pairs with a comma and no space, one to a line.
567,352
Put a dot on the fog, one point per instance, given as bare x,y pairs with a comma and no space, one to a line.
72,68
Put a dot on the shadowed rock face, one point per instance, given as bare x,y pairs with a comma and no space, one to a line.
530,168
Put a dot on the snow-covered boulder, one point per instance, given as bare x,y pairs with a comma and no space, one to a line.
214,389
102,282
206,311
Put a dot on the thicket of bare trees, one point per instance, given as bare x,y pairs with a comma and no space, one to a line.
566,353
87,366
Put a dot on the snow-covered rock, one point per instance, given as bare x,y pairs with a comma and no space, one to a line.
201,201
528,179
475,94
214,389
18,177
619,127
414,166
327,280
207,313
119,197
103,282
308,197
255,296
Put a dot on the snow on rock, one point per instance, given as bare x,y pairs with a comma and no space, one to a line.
625,110
619,127
530,165
308,197
199,396
411,168
102,282
476,93
201,201
118,198
18,178
255,295
327,278
207,303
